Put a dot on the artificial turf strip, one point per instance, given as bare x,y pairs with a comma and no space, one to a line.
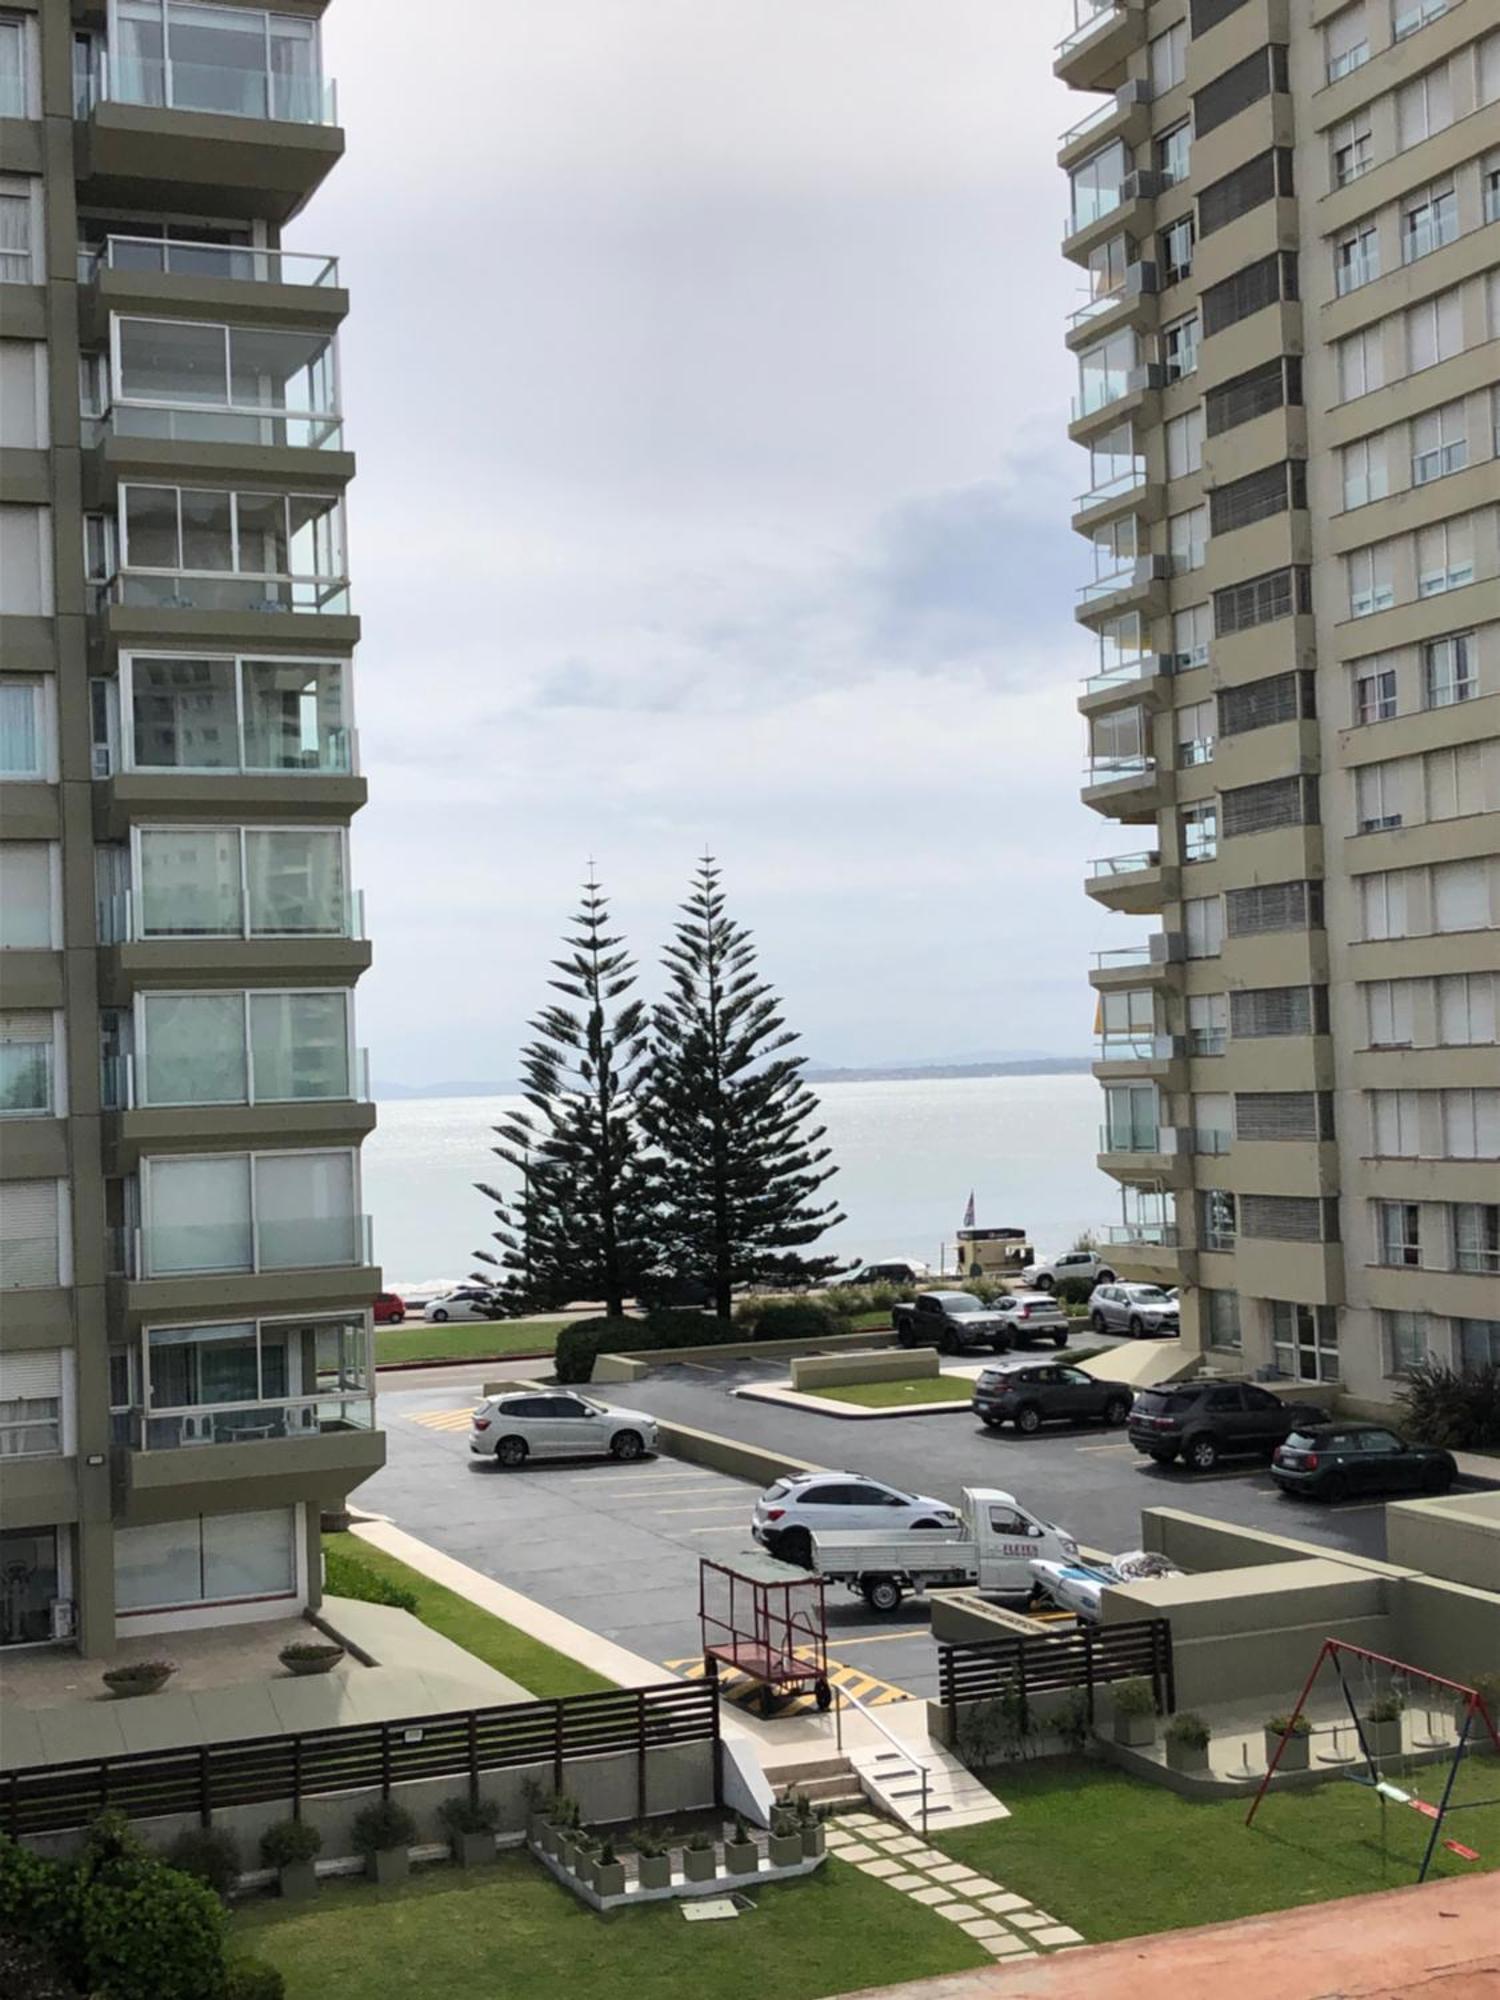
895,1395
464,1340
1116,1857
539,1668
511,1931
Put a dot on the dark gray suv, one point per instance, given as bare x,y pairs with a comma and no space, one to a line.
1029,1394
1203,1422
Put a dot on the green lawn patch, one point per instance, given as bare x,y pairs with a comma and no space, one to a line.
539,1668
465,1340
511,1931
898,1395
1116,1857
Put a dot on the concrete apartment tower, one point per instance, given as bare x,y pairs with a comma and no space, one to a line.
185,1271
1288,214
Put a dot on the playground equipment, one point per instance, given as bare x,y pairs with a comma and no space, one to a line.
768,1619
1385,1685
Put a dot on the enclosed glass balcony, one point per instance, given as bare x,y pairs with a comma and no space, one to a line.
246,1383
186,713
217,549
234,882
235,62
196,381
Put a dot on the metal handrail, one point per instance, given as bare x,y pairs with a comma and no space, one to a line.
841,1695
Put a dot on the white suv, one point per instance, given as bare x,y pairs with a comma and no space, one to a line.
1085,1265
788,1514
526,1425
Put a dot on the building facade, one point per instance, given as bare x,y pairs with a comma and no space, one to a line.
185,1270
1287,214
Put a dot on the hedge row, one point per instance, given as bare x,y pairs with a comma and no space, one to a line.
346,1576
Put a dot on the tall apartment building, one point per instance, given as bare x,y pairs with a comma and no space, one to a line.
1288,212
185,1272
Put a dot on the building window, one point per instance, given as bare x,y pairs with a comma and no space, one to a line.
241,1383
30,1405
1478,1344
1467,1007
1398,1234
1445,557
1176,251
1383,904
243,1048
223,714
1375,694
1470,1124
26,560
1388,1014
1104,371
1305,1341
1208,1023
1096,183
1371,578
1346,42
27,898
1174,152
1179,348
242,882
1278,594
32,1235
1187,540
1434,330
1196,723
14,92
1476,1236
26,1066
24,413
1439,444
1364,472
1169,59
1191,631
1217,1219
210,1559
1200,832
20,228
1448,672
1428,222
238,62
1184,443
250,1212
1353,149
1356,258
1423,107
1406,1341
201,380
1213,1122
1409,15
1221,1318
1361,364
1132,1118
23,728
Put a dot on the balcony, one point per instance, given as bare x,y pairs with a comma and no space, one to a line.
179,916
1141,1154
247,136
1123,210
1112,397
243,1423
1126,115
1105,33
1147,963
154,274
1132,302
1129,788
1136,586
1144,680
1145,1252
122,1087
1141,1058
248,1246
1134,883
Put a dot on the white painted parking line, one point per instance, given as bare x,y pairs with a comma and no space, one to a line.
727,1529
737,1508
1104,1447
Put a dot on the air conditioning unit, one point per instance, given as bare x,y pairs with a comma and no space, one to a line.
1168,948
64,1618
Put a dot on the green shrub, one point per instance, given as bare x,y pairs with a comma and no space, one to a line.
1135,1697
579,1344
380,1826
209,1854
149,1932
1459,1411
795,1319
34,1898
345,1575
1289,1725
1002,1727
253,1979
1072,1291
1387,1707
1070,1720
466,1815
1190,1730
290,1841
29,1971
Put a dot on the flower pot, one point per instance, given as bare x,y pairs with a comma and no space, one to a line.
1186,1756
297,1881
786,1850
814,1841
609,1878
655,1871
1296,1756
124,1686
741,1857
699,1864
552,1839
473,1850
536,1829
388,1864
1136,1732
322,1662
1382,1739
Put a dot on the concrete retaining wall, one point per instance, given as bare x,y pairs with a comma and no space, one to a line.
826,1371
630,1367
1449,1628
742,1461
1456,1538
1197,1544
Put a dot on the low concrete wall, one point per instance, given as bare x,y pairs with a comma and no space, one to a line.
1452,1629
719,1454
1456,1538
630,1367
826,1371
1195,1543
960,1617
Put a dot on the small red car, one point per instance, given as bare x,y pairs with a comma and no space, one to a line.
390,1309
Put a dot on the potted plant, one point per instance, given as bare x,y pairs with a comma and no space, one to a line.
785,1844
560,1818
471,1825
140,1677
291,1847
1135,1713
383,1833
535,1800
609,1870
699,1858
1292,1734
814,1833
1188,1738
1382,1725
578,1852
741,1855
653,1860
310,1656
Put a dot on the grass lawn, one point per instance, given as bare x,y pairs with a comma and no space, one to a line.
541,1669
1116,1857
896,1395
510,1930
465,1340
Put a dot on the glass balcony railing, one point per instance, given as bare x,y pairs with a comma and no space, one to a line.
242,1423
121,919
1161,1234
1111,770
1114,867
226,90
121,1086
240,262
1100,390
1123,674
1089,17
1123,958
1129,1139
1124,578
150,590
186,424
29,1263
1101,115
1130,480
308,1243
262,754
1126,1047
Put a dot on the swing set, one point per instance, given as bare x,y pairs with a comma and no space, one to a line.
1387,1681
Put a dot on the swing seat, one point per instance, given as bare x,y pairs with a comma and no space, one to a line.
1464,1853
1421,1806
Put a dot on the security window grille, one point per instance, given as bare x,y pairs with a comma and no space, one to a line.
1258,496
1305,1341
1253,394
1249,291
1275,803
1287,1218
1274,906
1208,14
1259,180
1277,1114
1398,1234
1260,1013
1217,1219
1476,1236
1236,89
1175,251
1375,695
1221,1318
1283,698
1261,601
1448,671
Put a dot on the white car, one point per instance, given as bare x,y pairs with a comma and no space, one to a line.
790,1512
1087,1266
463,1302
522,1425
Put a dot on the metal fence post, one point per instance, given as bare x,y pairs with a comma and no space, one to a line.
718,1746
640,1753
1088,1669
473,1757
297,1777
385,1760
205,1803
557,1746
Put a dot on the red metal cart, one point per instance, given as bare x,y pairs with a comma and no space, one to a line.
768,1620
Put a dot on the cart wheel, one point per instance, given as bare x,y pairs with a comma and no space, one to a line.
823,1695
768,1701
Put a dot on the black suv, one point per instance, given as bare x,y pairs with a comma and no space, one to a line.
1028,1393
1207,1421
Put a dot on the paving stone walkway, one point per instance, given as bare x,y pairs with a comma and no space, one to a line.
1001,1923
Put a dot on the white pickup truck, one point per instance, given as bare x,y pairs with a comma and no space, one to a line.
1004,1539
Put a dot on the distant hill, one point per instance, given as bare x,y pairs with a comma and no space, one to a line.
1024,1064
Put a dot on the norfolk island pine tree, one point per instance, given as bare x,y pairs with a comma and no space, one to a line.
738,1160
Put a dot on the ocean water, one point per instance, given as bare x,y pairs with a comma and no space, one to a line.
908,1155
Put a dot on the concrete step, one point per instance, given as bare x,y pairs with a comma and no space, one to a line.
830,1791
893,1783
832,1764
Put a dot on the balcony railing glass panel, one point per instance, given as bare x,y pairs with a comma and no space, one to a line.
243,263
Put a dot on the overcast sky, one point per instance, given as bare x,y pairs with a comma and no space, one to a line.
706,376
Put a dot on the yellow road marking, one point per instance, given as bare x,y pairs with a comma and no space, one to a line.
442,1420
739,1687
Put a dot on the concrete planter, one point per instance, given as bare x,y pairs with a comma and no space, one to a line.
699,1864
550,1837
1136,1732
473,1850
609,1878
297,1881
1186,1756
124,1683
388,1865
656,1871
786,1850
814,1842
1297,1756
311,1660
536,1828
741,1857
1383,1738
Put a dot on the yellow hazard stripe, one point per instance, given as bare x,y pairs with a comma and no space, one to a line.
442,1420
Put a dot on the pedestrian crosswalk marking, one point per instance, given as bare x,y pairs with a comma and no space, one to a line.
744,1692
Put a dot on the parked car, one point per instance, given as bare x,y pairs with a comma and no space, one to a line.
792,1510
1132,1309
1032,1316
1213,1419
465,1302
1031,1393
953,1322
390,1309
894,1271
523,1425
995,1553
1087,1267
1329,1464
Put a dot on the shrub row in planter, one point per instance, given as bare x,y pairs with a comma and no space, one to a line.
555,1827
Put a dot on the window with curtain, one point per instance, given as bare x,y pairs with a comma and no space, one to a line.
25,895
13,92
194,1049
22,742
1406,1341
299,1046
26,560
17,235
